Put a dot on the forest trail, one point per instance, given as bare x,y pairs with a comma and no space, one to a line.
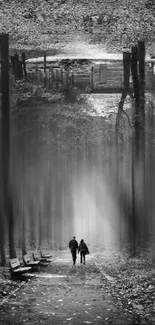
64,294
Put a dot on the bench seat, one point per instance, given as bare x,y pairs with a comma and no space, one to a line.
43,261
22,269
33,262
16,267
29,262
43,255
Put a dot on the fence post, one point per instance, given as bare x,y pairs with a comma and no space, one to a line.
37,77
92,79
50,78
61,79
24,65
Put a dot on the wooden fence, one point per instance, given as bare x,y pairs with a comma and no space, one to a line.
53,78
100,78
57,77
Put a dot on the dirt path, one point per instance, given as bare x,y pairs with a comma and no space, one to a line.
63,294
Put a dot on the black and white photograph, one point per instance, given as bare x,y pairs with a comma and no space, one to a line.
77,162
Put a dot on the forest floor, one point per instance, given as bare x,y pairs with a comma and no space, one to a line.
100,292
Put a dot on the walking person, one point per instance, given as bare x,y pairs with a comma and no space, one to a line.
73,245
83,249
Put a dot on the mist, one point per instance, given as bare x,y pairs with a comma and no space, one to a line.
63,188
95,210
72,174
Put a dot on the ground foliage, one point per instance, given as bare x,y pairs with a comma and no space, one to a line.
131,281
38,25
45,24
7,287
120,23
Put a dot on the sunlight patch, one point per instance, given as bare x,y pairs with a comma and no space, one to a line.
48,275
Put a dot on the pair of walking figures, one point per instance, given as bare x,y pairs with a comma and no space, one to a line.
82,248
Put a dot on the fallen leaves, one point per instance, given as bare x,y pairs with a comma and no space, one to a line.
139,307
132,288
8,289
130,282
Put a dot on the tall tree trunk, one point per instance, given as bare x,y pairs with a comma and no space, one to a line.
8,203
23,229
32,224
142,95
135,147
141,48
138,172
133,217
40,229
47,204
23,237
48,219
2,240
2,224
125,92
12,251
134,69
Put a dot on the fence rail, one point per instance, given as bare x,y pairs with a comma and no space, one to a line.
57,78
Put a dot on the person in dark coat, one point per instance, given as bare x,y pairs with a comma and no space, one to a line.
83,249
73,245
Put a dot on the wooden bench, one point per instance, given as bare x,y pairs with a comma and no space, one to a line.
29,262
16,268
45,256
43,261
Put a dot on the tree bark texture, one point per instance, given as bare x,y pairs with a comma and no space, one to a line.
138,152
8,204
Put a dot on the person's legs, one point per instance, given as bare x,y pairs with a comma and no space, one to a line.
81,257
74,256
84,259
72,252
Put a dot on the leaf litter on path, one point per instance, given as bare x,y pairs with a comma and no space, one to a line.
130,281
55,298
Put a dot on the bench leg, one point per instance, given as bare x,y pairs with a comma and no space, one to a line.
18,276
